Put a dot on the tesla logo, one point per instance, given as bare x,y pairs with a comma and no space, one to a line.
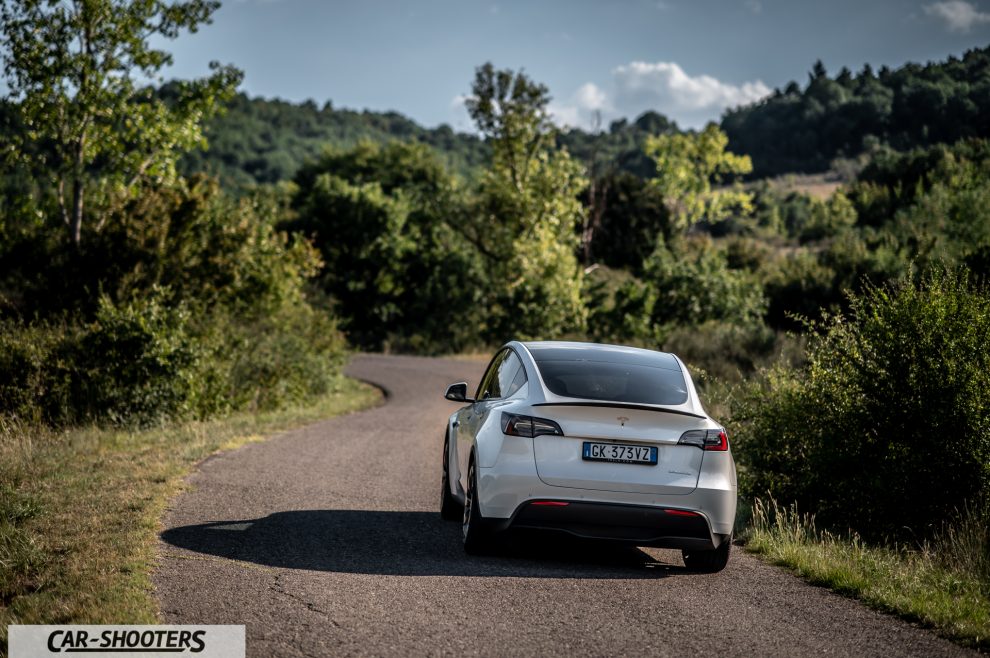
622,420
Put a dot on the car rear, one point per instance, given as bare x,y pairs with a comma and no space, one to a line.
623,450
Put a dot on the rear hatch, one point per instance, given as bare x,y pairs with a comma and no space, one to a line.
560,461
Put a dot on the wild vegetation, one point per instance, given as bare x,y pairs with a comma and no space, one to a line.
145,283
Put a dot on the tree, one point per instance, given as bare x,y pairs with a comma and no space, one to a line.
399,276
526,215
633,218
79,72
510,110
687,166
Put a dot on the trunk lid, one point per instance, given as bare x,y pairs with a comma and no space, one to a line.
559,459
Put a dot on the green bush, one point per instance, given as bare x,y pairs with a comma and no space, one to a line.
203,310
27,386
134,364
286,357
887,428
798,285
693,284
727,352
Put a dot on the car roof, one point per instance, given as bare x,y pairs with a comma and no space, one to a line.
575,351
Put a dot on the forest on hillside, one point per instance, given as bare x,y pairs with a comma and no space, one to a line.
794,130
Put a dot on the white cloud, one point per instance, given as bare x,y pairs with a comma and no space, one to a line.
754,6
590,97
637,87
666,88
565,116
579,110
958,15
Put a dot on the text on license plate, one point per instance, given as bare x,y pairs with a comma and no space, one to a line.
616,452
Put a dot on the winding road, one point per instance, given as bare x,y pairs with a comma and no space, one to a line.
326,541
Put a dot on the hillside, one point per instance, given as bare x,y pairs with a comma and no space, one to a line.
794,130
803,130
264,141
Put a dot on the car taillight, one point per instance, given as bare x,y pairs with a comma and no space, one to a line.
706,439
528,426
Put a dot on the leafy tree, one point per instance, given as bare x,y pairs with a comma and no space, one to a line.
694,284
77,72
687,165
634,216
887,429
510,110
398,274
525,217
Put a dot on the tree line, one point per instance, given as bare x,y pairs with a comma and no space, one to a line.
805,129
822,125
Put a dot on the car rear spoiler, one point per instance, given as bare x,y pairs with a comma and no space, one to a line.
620,405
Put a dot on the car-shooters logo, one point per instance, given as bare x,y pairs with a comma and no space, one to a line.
144,641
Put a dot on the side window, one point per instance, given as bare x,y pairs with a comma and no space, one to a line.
489,387
519,382
511,375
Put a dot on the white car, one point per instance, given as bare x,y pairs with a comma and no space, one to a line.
599,441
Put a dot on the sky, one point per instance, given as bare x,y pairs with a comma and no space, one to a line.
689,59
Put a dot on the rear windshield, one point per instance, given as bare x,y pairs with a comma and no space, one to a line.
614,382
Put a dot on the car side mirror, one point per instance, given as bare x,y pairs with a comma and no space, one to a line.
457,393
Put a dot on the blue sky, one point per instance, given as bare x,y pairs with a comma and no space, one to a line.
686,58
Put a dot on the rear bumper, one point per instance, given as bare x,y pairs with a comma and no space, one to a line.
635,524
506,488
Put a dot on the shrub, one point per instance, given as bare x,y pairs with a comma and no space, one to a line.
725,352
27,386
286,357
797,284
693,284
887,429
134,363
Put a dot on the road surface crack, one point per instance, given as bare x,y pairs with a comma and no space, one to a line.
279,588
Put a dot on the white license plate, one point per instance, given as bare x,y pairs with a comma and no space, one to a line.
619,453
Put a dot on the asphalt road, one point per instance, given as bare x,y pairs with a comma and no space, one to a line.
326,541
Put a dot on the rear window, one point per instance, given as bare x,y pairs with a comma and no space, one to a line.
613,382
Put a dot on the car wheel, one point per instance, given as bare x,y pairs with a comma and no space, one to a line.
476,535
450,508
708,561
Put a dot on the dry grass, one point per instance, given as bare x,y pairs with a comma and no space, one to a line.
80,509
819,186
944,584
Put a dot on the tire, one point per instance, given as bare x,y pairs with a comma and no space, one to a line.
450,508
477,537
708,561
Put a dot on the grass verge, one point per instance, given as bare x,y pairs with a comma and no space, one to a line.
944,584
80,509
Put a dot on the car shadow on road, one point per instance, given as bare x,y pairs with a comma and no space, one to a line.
407,544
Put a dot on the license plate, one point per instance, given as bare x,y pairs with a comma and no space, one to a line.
619,453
